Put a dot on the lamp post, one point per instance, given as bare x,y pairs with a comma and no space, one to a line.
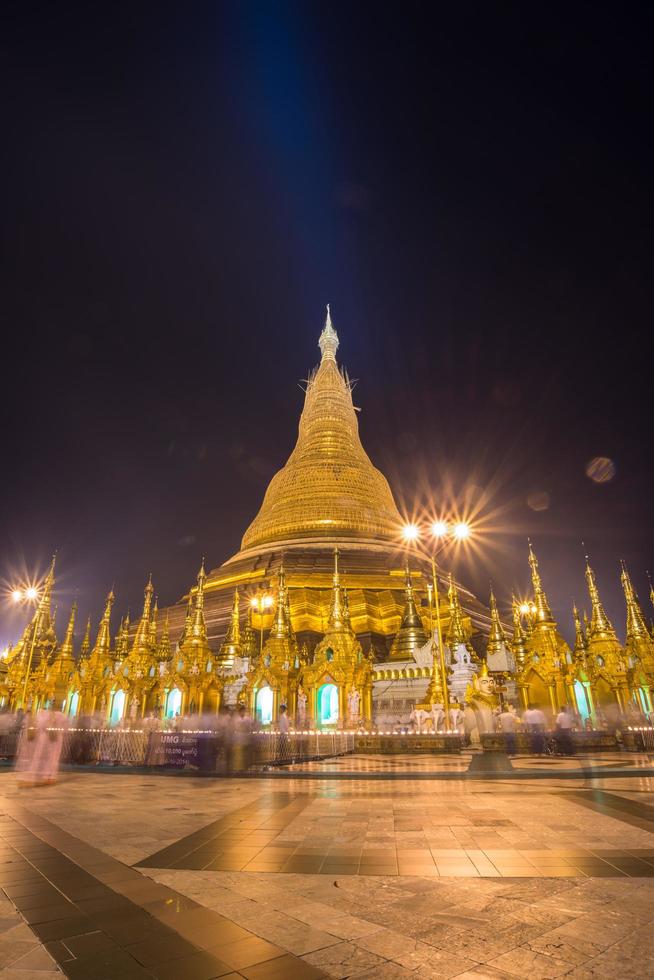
29,594
261,603
439,530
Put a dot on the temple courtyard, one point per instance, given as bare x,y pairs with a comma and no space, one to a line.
127,875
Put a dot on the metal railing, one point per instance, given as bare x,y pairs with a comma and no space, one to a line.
204,750
644,737
278,748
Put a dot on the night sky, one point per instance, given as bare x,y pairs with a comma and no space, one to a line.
185,186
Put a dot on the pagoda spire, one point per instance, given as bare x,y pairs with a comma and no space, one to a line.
66,653
600,625
336,618
86,642
142,635
281,627
102,644
195,644
328,487
188,621
411,634
543,611
636,628
165,652
199,629
519,638
328,341
456,634
581,646
496,637
233,636
231,645
153,622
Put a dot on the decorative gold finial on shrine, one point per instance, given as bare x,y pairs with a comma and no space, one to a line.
636,628
496,637
600,625
281,626
543,611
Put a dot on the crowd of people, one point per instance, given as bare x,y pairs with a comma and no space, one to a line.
558,736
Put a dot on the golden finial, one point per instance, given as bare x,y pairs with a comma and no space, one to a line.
543,611
496,638
103,639
86,642
636,628
67,646
328,341
456,633
600,624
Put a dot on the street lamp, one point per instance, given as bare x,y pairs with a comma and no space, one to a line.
440,531
261,603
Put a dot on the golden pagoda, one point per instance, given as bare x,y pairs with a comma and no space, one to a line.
639,645
543,676
611,681
338,681
95,670
328,494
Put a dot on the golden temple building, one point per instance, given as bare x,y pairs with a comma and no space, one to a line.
323,610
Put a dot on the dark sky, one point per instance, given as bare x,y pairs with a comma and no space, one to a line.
186,185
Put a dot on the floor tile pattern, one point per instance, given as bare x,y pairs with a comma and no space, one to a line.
98,918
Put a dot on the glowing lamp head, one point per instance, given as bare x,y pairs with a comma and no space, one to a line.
410,532
461,531
267,601
439,529
31,594
16,595
524,608
254,603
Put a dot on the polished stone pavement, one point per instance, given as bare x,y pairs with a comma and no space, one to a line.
147,876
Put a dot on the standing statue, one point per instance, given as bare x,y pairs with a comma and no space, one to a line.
301,708
353,701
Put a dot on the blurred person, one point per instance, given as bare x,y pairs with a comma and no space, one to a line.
242,739
508,722
536,723
44,742
283,727
565,722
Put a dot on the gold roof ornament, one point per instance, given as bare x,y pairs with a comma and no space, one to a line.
499,656
456,633
581,644
636,628
164,650
411,635
196,647
85,648
231,646
141,644
328,488
519,639
65,655
543,611
153,622
600,624
336,609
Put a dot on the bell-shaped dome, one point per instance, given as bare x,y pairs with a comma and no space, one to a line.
328,488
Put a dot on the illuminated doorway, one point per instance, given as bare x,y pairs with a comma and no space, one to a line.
74,704
117,707
328,704
174,703
264,705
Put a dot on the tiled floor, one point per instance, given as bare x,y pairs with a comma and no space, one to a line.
267,879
